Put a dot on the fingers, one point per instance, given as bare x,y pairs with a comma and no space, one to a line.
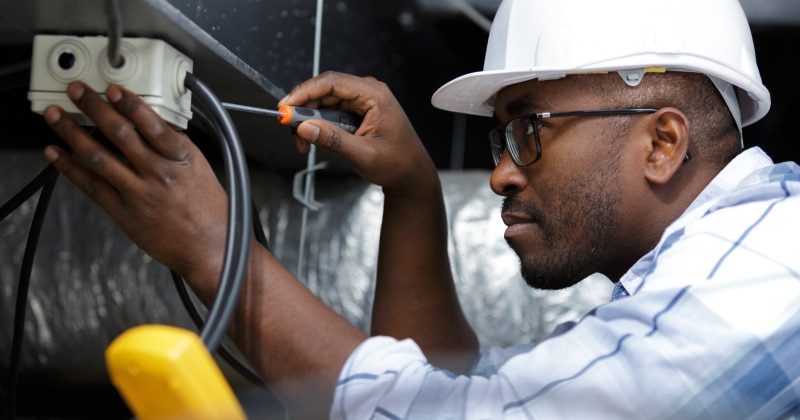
97,170
87,181
332,89
311,132
164,139
93,186
120,120
330,137
114,126
385,133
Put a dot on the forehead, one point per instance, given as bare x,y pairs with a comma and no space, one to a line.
568,94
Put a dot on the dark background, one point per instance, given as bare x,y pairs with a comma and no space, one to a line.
416,49
413,46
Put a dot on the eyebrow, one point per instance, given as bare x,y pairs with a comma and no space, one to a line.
519,105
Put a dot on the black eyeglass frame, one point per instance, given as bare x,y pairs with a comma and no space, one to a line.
510,142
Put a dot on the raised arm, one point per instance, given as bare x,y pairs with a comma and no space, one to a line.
415,295
296,343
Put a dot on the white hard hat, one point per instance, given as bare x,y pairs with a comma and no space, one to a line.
547,39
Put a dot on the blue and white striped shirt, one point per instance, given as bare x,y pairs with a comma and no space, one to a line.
706,325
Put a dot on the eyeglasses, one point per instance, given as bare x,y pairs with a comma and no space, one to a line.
521,135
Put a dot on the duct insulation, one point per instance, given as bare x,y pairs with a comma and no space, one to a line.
90,283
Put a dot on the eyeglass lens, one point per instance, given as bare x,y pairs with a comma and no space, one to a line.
519,137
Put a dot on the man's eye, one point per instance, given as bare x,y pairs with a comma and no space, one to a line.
529,127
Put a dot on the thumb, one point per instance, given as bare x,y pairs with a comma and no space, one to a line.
321,134
308,131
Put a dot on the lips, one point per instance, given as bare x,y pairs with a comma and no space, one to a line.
511,219
517,224
517,216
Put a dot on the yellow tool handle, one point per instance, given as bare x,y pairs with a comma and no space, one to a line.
165,372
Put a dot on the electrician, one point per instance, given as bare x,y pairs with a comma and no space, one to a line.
618,149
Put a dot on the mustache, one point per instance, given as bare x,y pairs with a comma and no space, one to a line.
512,204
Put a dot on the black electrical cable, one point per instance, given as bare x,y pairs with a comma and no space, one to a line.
46,176
223,352
183,293
14,76
237,244
258,228
22,288
27,191
180,285
114,16
224,287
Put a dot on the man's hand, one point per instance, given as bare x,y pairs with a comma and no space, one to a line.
385,150
414,296
165,196
155,190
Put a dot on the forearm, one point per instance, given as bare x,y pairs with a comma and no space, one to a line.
293,340
415,296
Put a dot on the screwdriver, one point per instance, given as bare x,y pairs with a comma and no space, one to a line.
294,115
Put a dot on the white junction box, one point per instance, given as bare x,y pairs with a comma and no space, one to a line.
151,68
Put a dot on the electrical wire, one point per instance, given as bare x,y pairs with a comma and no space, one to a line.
15,68
224,353
258,228
47,179
27,191
237,243
13,76
236,250
183,293
114,16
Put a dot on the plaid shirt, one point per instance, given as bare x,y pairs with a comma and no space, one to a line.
705,325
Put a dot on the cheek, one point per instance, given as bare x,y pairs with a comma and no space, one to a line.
574,149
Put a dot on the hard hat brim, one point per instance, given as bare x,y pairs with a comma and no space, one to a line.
474,93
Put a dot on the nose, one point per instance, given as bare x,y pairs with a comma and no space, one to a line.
507,178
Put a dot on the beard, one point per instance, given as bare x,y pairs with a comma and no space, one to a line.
574,237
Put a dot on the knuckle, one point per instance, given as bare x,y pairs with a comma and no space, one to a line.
120,130
171,143
330,74
381,85
90,103
167,176
160,133
333,141
64,165
66,128
89,187
128,104
98,159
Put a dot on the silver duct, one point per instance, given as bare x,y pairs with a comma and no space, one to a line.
90,283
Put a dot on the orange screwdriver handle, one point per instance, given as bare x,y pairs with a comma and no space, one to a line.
294,115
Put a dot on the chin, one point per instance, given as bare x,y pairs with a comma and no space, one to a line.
548,283
540,276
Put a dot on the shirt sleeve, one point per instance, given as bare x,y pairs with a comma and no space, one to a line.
711,334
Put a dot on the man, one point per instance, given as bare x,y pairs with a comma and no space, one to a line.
618,150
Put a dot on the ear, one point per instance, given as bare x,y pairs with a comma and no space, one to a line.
669,144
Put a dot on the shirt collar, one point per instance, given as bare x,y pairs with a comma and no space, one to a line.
726,181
